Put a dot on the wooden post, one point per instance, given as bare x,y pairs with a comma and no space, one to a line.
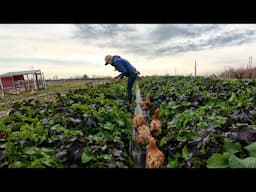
45,86
1,84
28,83
34,79
24,83
14,83
2,88
40,80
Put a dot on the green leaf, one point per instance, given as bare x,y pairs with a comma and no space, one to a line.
252,126
28,110
217,161
162,142
232,147
37,163
121,123
185,152
107,157
73,132
249,162
58,128
173,164
50,162
202,125
85,108
227,155
3,127
53,138
232,98
235,162
30,150
104,147
119,164
98,165
46,151
109,126
87,156
174,161
251,149
16,164
185,122
31,120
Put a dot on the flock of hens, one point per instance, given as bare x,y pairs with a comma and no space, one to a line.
145,135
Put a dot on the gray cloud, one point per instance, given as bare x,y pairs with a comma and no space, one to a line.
170,31
231,38
98,31
223,39
159,40
166,32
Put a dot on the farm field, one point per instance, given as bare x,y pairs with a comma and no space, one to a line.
46,94
206,123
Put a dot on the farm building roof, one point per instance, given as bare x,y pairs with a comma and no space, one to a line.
19,73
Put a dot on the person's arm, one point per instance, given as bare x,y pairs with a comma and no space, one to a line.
120,67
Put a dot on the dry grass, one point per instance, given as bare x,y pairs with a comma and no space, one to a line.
241,73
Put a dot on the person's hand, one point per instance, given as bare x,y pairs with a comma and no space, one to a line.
117,78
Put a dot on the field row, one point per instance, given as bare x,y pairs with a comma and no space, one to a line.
206,122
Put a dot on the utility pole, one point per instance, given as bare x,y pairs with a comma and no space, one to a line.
225,72
175,71
195,68
250,62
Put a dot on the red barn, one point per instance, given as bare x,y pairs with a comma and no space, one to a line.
22,80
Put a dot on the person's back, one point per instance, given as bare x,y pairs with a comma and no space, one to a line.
120,61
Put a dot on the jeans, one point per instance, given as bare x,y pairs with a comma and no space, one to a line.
131,80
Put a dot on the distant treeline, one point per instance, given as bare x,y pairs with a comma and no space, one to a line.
241,73
85,77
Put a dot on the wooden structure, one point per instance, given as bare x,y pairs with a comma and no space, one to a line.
22,81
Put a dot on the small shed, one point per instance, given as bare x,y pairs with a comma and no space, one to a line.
22,81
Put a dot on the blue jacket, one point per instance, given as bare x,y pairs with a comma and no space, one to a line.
123,66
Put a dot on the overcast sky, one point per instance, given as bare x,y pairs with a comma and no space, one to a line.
69,50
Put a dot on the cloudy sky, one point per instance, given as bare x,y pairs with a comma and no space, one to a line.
69,50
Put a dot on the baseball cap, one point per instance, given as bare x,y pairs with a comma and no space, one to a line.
107,57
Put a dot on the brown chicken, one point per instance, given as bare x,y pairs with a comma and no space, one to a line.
155,125
143,135
15,92
154,157
145,104
138,120
33,92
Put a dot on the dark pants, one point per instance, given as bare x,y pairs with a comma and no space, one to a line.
131,80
